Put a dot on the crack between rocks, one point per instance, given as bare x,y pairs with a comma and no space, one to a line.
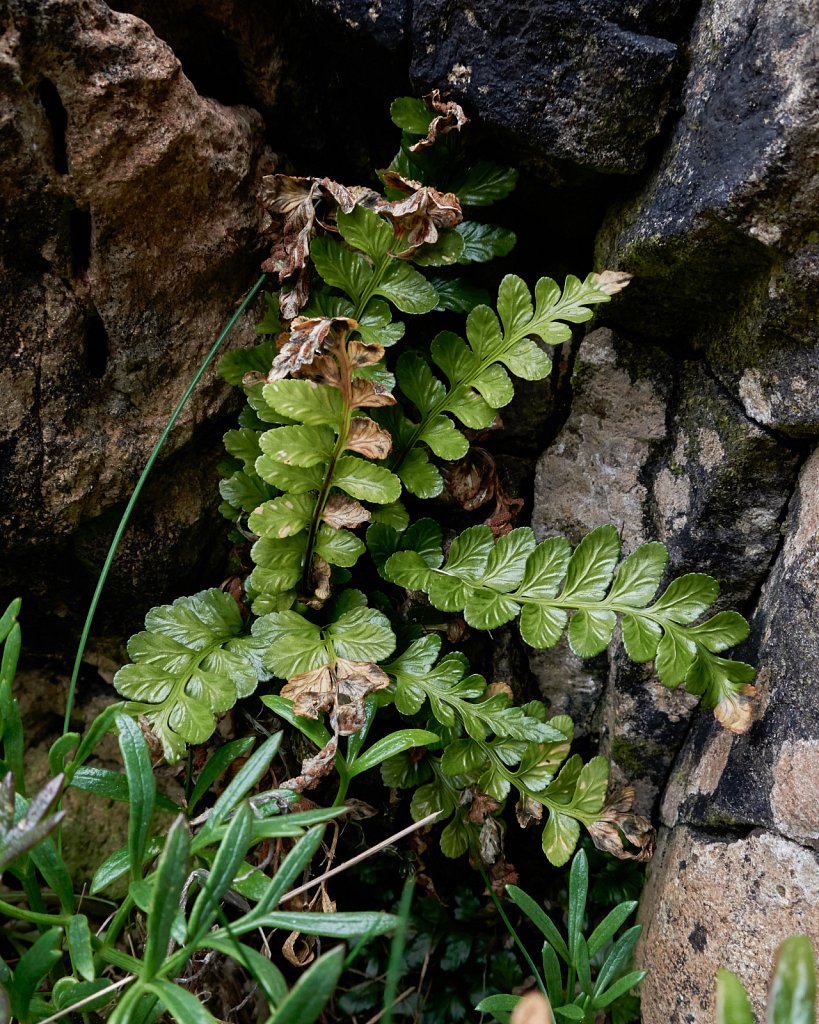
732,834
793,444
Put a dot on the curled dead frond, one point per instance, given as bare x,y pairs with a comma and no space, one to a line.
451,117
735,710
309,336
618,831
611,281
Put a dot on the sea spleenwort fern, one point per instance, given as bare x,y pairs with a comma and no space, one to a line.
476,370
334,433
191,662
505,748
542,585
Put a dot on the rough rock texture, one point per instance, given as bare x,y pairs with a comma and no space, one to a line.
712,903
770,776
579,81
719,487
723,237
129,229
385,20
322,73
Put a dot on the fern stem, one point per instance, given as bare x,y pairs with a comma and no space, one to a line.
345,386
341,442
126,515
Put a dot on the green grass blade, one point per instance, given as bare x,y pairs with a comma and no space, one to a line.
216,765
397,950
170,877
311,992
229,856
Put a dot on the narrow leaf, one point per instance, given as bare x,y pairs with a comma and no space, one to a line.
171,873
395,743
141,790
229,856
78,936
312,991
182,1005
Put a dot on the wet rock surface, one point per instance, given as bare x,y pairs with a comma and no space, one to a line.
578,82
770,776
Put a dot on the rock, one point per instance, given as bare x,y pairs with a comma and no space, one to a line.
770,776
568,685
594,473
719,488
129,228
572,80
712,903
722,238
590,474
385,20
322,73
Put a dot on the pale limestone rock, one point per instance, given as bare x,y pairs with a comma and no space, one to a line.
713,903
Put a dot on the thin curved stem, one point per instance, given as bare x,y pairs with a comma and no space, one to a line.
126,515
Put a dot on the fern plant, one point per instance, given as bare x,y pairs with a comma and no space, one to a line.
338,436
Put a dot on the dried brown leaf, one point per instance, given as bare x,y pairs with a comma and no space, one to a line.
618,831
369,394
368,439
528,812
501,874
500,687
343,512
358,810
490,843
292,202
308,337
339,689
451,117
322,370
315,768
361,354
533,1008
418,218
311,692
319,581
611,281
505,512
472,480
735,711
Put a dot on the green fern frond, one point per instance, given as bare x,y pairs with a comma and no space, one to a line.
551,589
193,660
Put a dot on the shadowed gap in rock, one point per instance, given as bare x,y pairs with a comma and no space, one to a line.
79,231
58,119
96,346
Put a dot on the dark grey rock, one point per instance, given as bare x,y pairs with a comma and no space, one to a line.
722,237
719,487
568,79
769,776
385,20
